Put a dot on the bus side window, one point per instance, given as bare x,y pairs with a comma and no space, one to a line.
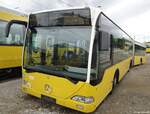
104,44
2,29
101,56
17,32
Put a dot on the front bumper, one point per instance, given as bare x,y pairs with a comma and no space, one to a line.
86,108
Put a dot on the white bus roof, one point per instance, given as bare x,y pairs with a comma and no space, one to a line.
140,44
12,11
68,8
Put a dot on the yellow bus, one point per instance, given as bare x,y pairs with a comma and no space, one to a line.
147,47
74,57
139,53
11,47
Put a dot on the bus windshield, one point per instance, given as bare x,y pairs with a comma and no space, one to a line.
58,50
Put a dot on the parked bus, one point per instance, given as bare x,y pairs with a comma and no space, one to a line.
11,47
74,57
147,47
139,53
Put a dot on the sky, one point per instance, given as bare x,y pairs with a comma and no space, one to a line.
131,15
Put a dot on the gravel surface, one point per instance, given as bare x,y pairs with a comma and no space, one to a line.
131,96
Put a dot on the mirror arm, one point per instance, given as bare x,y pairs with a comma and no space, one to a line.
7,30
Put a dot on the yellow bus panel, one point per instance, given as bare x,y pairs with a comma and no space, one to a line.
10,56
7,16
139,60
147,50
61,89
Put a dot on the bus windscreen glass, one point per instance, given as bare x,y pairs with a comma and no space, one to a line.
59,45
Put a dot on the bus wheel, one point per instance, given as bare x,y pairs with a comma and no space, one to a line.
115,80
141,60
131,63
130,66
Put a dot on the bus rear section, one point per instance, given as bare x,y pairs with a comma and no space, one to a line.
74,57
147,50
11,47
147,47
139,53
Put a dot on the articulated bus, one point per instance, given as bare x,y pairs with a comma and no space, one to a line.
139,53
147,47
74,57
11,47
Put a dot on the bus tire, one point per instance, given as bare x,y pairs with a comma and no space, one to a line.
131,64
141,60
115,80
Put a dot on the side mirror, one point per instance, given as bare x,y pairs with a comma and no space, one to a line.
10,23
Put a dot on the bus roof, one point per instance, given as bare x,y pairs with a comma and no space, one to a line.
140,44
12,11
8,14
67,8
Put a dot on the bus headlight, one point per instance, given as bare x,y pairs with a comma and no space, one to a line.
83,99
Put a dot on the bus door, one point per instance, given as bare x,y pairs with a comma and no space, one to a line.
101,60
